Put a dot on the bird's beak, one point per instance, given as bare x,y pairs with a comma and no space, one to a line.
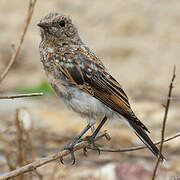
43,25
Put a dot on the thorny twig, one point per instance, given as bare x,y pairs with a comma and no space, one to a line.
164,122
15,54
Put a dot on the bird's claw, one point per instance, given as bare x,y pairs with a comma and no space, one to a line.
61,160
91,139
69,147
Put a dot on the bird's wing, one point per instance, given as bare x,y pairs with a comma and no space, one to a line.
88,73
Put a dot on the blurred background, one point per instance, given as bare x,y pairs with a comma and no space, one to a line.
139,43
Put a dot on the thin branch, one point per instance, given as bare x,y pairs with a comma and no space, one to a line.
164,122
21,95
20,139
15,54
32,166
134,148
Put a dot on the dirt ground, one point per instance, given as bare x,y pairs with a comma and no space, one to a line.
139,43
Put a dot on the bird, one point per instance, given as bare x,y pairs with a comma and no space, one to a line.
82,81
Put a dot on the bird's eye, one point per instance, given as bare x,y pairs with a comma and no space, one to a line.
62,23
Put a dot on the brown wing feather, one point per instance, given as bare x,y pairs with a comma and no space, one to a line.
102,86
113,96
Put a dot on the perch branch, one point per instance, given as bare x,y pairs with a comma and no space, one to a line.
134,148
32,166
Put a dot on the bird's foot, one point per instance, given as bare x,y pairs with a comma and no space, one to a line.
69,147
92,139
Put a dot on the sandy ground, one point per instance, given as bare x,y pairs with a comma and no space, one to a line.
139,42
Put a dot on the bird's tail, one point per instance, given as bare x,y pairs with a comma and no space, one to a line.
140,132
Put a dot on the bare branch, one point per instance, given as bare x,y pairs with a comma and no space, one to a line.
32,166
21,95
15,54
134,148
164,122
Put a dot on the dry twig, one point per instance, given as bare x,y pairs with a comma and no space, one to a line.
164,122
135,148
32,166
22,149
15,54
20,95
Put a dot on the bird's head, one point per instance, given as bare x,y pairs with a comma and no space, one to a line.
57,27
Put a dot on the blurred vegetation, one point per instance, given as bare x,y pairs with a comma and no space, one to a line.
43,87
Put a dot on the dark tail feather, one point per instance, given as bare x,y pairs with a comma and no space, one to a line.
145,138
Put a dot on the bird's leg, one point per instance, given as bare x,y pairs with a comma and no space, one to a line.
85,149
103,133
95,133
99,127
70,147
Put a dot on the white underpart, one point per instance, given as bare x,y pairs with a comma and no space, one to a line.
83,103
89,106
